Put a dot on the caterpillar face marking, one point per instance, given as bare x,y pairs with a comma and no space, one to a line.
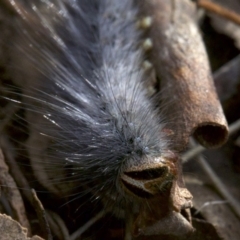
149,182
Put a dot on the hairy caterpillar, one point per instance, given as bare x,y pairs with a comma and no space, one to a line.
93,127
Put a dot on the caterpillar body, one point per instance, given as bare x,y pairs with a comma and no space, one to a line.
93,127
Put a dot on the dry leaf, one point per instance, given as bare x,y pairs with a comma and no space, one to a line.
12,230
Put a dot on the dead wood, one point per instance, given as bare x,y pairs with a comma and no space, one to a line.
180,61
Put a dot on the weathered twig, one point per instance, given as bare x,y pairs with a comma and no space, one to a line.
206,204
220,10
41,216
235,205
181,62
128,223
225,221
57,225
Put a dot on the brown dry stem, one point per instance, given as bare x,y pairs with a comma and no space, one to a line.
57,225
181,62
41,216
220,10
